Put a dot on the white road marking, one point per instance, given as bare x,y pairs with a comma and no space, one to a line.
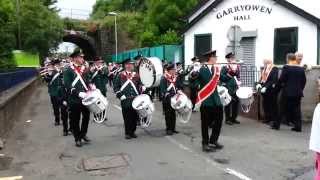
210,161
118,107
11,178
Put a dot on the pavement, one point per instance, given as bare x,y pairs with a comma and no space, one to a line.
36,149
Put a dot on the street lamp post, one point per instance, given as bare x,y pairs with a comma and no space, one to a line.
115,31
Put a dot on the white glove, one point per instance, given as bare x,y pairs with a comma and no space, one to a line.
263,90
258,86
239,83
123,97
196,67
82,95
179,92
65,103
143,88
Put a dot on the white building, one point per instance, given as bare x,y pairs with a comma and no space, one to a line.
253,29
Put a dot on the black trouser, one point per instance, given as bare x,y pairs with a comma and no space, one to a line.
293,111
76,110
170,115
211,116
270,109
60,111
193,96
130,117
231,110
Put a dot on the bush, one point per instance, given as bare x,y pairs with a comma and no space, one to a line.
7,62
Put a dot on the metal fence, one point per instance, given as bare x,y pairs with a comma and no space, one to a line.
249,75
10,79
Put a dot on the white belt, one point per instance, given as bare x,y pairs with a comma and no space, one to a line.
126,84
54,78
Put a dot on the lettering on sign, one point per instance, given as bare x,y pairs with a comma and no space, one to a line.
245,9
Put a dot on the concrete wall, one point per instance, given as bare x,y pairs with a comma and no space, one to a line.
11,104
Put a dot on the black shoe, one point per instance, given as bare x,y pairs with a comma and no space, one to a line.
78,144
216,145
274,127
207,148
296,129
133,135
175,132
236,122
169,132
86,139
71,131
128,136
65,133
57,124
229,123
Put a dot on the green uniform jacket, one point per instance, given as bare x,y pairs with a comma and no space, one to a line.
228,80
73,92
100,80
56,88
128,91
164,84
203,78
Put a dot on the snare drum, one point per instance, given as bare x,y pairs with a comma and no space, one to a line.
150,71
95,101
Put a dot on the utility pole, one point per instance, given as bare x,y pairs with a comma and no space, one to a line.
115,31
18,23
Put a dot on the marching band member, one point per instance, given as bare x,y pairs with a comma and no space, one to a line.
267,87
293,81
169,86
99,75
211,108
127,86
194,86
229,78
57,94
76,78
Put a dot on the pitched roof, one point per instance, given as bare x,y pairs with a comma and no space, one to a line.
283,3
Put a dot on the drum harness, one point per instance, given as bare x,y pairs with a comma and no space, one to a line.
129,81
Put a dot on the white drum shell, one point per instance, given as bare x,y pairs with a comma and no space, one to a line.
245,95
150,71
95,102
224,95
143,105
181,103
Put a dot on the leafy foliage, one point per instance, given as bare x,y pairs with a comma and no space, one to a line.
148,22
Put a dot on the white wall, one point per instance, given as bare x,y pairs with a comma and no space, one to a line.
263,23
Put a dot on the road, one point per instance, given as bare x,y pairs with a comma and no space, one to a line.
37,150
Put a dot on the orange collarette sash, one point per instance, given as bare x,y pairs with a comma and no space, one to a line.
209,88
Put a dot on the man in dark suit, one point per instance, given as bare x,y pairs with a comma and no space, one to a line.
293,81
267,87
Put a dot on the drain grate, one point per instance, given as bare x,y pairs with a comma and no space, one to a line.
105,162
5,162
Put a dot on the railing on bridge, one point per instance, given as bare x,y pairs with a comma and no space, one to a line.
11,79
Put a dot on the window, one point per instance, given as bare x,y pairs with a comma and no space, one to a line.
285,41
202,44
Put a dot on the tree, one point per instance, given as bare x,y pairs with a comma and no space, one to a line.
7,37
41,28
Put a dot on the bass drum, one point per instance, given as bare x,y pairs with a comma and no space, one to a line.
150,71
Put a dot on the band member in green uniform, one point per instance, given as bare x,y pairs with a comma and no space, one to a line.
57,94
230,75
127,86
194,87
169,86
76,80
211,108
99,75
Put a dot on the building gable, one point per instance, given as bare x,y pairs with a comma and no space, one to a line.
283,3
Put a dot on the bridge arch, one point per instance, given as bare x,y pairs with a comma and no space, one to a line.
84,42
